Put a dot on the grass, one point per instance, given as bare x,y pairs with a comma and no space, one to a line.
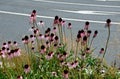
52,54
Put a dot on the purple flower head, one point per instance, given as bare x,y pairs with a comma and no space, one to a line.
101,51
19,77
108,21
95,34
26,68
86,25
69,25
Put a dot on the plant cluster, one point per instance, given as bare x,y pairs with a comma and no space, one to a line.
49,53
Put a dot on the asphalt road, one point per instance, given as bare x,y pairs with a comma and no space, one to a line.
14,18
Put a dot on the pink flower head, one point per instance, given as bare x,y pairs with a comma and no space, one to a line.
9,43
36,31
108,21
87,50
65,74
41,23
82,33
27,68
15,43
86,25
95,34
5,45
25,40
41,36
43,49
60,21
69,25
89,33
54,74
54,29
63,23
101,51
17,52
49,55
32,29
19,77
56,20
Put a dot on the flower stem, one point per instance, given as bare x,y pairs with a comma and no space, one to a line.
106,46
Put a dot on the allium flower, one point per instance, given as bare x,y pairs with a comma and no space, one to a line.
19,77
69,25
86,25
101,51
27,68
65,74
95,34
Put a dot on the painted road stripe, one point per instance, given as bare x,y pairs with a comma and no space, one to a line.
49,17
90,12
68,3
109,0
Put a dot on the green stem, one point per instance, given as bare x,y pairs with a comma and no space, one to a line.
91,42
76,50
71,39
106,46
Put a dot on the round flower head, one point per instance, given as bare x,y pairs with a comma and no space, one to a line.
101,51
89,32
19,77
43,49
26,68
108,21
60,21
26,39
63,23
86,25
41,23
56,20
69,25
65,74
95,34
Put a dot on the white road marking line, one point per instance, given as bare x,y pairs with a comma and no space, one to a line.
49,17
89,12
109,0
68,3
